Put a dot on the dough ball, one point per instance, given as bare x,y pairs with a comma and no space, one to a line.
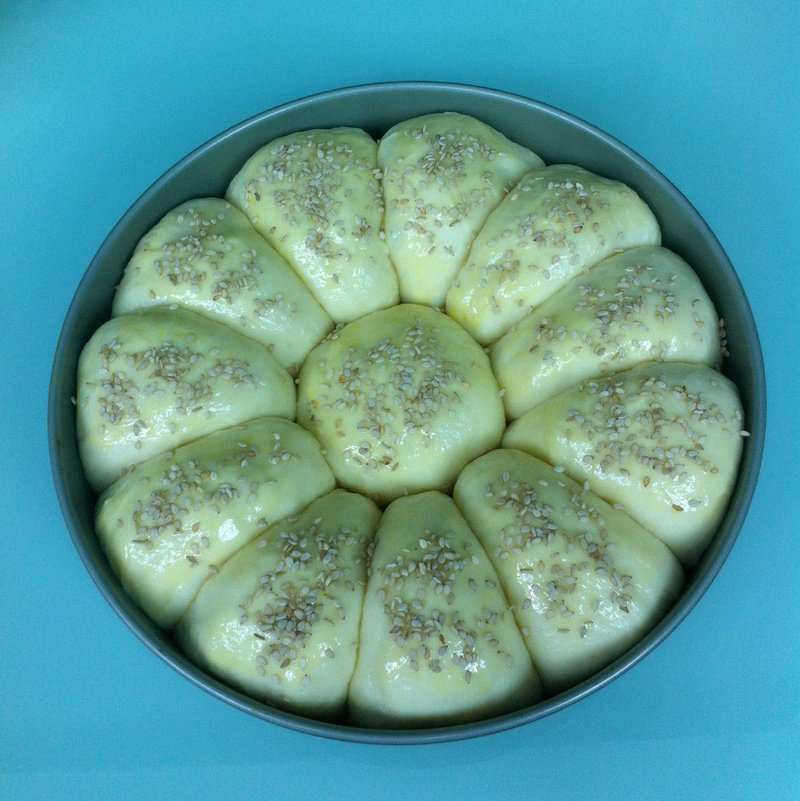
174,519
439,644
643,304
155,379
280,620
316,197
206,256
585,581
401,400
442,175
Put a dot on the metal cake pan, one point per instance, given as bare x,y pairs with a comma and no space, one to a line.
557,137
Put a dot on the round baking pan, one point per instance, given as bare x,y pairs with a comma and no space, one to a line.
557,137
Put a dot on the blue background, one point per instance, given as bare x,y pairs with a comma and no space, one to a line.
97,99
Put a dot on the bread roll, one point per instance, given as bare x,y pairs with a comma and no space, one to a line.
439,644
205,256
643,304
585,581
155,379
280,620
555,224
401,400
316,197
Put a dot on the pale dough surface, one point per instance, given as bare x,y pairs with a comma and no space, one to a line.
438,641
206,256
641,305
316,197
154,379
401,400
281,618
586,582
174,519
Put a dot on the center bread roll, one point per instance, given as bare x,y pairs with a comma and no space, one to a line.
439,644
401,400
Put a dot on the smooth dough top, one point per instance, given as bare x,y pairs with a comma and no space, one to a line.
316,197
401,400
661,439
438,641
281,618
442,175
557,222
154,379
206,256
585,581
640,305
174,519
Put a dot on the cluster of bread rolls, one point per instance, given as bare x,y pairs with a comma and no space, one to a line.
407,432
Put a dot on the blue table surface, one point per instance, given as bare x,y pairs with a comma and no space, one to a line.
98,99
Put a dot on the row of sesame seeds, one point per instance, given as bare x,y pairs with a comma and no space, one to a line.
312,570
664,444
399,386
573,551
